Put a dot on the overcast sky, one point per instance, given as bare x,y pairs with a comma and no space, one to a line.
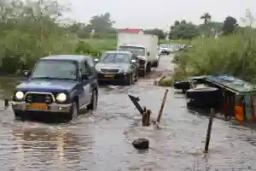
158,13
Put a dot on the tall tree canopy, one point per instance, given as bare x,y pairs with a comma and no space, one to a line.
183,30
101,23
158,32
230,25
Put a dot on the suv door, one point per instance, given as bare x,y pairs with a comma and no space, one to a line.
86,81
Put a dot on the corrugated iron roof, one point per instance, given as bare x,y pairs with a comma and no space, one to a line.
231,83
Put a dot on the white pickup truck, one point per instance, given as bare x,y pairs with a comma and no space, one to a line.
145,46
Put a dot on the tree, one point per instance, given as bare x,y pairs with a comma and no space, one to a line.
230,25
29,30
183,22
101,24
80,29
158,32
184,30
176,23
206,17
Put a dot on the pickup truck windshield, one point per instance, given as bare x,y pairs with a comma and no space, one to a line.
139,51
50,69
115,58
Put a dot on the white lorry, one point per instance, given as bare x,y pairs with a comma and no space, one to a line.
144,46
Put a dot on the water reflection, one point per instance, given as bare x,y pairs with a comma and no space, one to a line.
47,147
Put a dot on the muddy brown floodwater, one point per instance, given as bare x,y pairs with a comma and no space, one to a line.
102,140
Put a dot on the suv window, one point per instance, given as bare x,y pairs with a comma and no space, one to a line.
86,69
90,62
58,69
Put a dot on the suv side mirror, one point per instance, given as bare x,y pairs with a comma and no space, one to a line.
96,60
148,54
26,73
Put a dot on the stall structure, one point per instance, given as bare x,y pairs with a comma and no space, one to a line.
239,97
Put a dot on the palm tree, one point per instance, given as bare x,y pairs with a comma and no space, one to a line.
206,17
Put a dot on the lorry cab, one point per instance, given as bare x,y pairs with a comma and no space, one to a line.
145,46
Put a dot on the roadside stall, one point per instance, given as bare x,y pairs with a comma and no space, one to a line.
239,97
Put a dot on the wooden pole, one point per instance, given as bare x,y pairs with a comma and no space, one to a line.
146,118
209,130
162,106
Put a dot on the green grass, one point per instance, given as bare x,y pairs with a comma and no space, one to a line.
102,44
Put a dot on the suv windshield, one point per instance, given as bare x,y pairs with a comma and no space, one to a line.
50,69
116,58
139,51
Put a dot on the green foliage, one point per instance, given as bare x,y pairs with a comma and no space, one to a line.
158,32
230,24
183,30
101,23
234,54
86,48
166,82
210,29
100,26
28,31
95,47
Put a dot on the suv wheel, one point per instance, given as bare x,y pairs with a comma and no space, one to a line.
148,69
74,111
94,101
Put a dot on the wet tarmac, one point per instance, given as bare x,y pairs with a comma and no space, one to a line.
102,140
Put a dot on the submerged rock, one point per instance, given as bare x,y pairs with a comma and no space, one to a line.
141,143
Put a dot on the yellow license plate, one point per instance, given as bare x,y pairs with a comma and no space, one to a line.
109,76
37,106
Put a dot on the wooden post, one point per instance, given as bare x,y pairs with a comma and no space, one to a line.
146,118
209,130
162,106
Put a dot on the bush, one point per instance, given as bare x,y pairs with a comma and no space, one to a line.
87,49
165,82
234,54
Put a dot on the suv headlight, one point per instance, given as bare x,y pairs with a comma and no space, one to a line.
61,97
19,95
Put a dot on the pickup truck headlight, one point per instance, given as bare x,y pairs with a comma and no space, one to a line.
19,95
61,97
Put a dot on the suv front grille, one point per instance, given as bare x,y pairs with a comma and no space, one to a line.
38,98
110,70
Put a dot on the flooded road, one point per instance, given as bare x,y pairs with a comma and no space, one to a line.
102,140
